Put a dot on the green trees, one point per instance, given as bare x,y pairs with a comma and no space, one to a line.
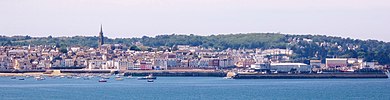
304,46
63,50
135,48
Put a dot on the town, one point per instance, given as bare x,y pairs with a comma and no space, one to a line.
118,58
112,57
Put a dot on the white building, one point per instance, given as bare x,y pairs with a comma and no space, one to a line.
336,62
260,66
228,62
96,64
369,65
160,63
287,67
68,63
122,65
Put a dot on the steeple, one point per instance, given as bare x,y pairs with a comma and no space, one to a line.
101,37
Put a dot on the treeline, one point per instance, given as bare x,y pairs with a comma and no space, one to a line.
305,46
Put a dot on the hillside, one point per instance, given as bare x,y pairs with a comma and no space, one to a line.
305,46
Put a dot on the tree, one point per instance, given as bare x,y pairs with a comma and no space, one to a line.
64,50
135,48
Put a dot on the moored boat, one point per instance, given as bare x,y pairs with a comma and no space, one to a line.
129,77
119,79
102,80
86,78
150,76
227,77
105,77
39,78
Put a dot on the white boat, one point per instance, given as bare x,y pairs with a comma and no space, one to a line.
129,77
150,76
119,79
105,77
39,78
227,78
28,76
102,80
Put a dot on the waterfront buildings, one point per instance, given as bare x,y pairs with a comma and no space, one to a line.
290,67
121,57
111,56
336,62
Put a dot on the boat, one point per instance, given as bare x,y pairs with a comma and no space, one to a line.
39,78
105,77
150,76
21,78
28,76
86,78
129,77
102,80
150,80
227,77
13,77
90,76
119,79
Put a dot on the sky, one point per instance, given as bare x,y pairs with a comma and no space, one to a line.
358,19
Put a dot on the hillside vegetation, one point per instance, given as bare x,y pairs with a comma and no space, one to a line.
305,46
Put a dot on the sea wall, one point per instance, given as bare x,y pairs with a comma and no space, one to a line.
308,76
167,73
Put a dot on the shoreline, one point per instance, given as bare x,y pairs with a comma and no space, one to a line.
208,73
29,74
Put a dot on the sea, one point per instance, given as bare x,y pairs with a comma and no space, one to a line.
194,88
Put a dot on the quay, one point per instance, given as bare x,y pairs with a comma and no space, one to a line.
206,73
180,73
309,76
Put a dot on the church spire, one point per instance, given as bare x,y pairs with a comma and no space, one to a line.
101,28
101,37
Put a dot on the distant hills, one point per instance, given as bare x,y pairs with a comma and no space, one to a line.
304,46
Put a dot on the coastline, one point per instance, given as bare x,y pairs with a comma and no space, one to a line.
30,74
209,73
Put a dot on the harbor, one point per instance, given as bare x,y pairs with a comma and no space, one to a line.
211,88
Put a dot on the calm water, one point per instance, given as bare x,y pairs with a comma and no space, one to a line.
184,88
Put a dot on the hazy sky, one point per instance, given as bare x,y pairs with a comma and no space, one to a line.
362,19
